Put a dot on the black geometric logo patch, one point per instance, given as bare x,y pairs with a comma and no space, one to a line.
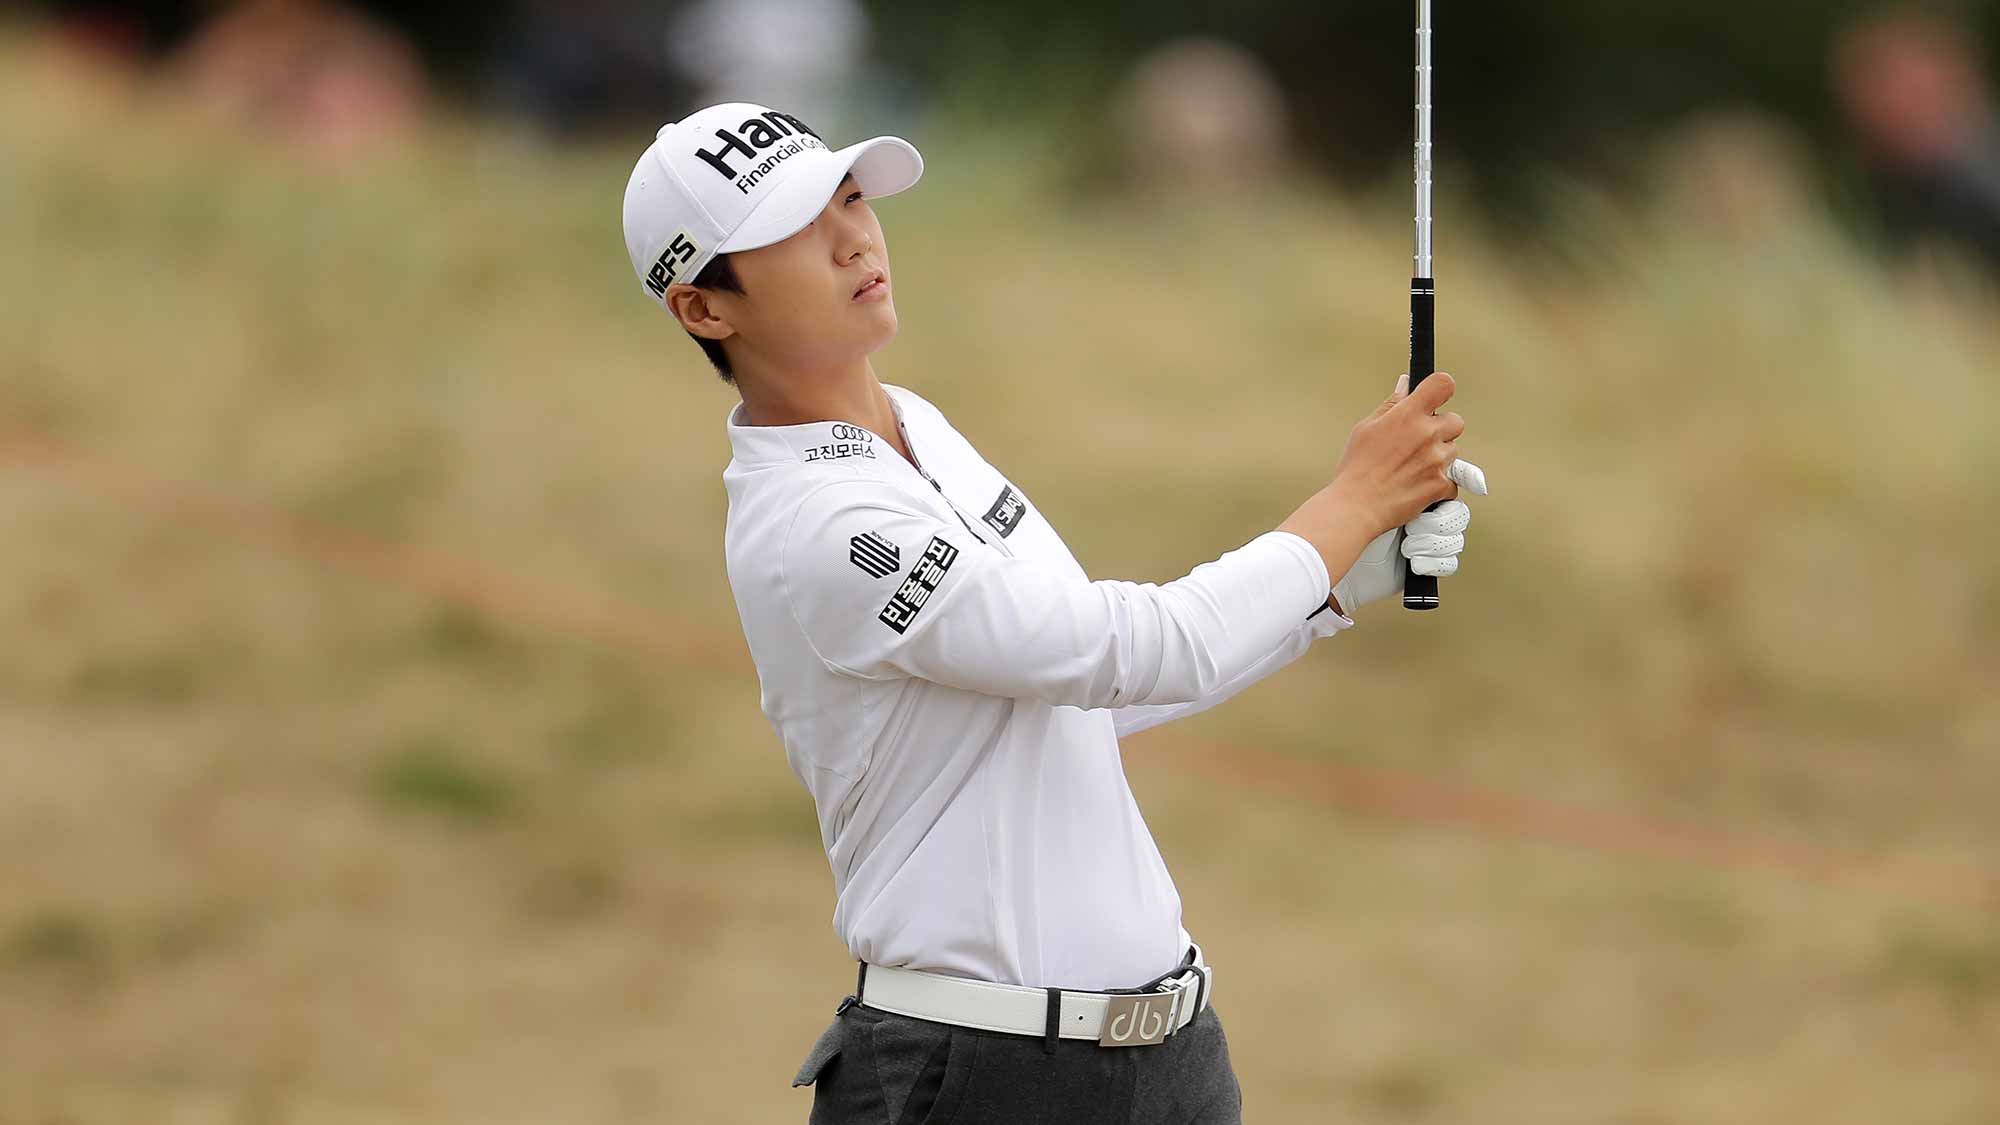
874,554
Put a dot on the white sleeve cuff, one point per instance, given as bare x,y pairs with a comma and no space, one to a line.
1315,585
1324,621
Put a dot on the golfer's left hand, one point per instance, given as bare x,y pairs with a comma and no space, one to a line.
1431,542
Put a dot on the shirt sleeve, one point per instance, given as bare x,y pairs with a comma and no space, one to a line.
882,589
1138,717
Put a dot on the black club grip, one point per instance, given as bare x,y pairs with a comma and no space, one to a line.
1420,591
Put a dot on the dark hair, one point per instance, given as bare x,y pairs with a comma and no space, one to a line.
717,274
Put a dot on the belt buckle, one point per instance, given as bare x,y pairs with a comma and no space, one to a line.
1137,1020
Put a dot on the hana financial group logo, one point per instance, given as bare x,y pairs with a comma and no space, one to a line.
771,138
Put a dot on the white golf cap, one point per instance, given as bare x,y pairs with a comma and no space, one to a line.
737,176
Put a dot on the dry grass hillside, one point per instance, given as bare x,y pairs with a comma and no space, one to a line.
377,742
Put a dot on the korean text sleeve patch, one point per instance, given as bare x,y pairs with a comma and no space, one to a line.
919,586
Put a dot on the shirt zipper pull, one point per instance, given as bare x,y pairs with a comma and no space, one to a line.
913,455
940,488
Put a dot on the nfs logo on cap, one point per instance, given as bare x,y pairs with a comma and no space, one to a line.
666,268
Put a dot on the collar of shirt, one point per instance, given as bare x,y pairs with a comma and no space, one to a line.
812,442
838,448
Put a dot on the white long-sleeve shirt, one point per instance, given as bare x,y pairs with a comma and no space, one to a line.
951,686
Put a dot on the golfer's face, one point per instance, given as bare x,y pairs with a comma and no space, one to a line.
822,295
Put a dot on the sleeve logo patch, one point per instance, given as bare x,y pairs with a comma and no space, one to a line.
1005,514
917,589
874,554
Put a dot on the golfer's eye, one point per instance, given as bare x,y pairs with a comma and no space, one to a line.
853,195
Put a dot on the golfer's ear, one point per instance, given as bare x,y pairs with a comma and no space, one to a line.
691,307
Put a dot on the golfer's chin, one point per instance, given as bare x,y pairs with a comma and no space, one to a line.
879,319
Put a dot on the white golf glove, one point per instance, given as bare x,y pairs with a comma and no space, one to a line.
1431,542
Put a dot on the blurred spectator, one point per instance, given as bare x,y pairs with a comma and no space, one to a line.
1738,175
1913,90
131,31
571,64
781,53
1201,112
319,73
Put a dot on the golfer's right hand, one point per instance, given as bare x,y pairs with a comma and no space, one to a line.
1396,461
1399,460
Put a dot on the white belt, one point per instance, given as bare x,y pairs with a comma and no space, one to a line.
1129,1018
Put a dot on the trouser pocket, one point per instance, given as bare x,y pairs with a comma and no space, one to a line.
823,1051
922,1067
877,1068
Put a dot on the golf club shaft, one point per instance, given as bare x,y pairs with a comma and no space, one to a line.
1421,591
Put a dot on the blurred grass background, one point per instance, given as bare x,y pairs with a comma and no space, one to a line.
281,843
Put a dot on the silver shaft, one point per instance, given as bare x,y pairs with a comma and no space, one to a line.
1423,255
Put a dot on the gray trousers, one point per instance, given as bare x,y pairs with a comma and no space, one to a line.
872,1067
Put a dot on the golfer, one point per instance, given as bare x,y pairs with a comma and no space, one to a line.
951,685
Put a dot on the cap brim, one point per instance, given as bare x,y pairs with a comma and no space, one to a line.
881,166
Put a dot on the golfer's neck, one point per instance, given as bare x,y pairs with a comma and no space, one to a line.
850,393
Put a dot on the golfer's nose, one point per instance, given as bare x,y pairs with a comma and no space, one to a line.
853,243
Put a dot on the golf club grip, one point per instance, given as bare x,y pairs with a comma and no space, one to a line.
1420,591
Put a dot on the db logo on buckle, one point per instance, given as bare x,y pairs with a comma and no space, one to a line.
1140,1020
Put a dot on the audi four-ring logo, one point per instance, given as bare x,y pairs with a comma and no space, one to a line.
844,432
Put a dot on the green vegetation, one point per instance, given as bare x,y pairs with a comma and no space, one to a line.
432,773
54,938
